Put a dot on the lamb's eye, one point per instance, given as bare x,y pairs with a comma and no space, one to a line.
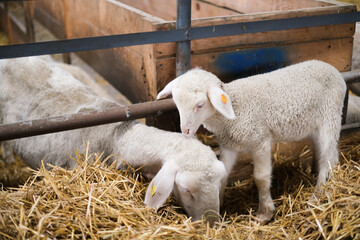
200,105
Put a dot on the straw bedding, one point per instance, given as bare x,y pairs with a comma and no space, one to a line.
96,201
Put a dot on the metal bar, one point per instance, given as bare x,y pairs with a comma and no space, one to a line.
351,76
273,25
183,22
345,107
82,120
348,128
74,121
66,23
103,42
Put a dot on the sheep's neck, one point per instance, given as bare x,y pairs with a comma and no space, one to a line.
214,123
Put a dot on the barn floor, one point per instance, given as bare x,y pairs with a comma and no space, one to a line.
94,201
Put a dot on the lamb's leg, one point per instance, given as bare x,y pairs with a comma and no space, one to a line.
228,157
262,178
326,153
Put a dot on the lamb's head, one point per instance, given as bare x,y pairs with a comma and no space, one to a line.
197,95
198,191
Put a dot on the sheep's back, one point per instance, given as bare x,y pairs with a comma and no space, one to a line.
288,103
31,88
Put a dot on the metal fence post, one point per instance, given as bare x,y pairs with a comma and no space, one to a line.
183,51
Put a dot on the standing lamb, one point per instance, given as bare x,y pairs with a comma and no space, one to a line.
32,88
300,101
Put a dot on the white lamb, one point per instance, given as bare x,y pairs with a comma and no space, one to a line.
300,101
31,88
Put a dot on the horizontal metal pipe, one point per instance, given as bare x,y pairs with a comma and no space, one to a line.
112,41
82,120
351,127
351,76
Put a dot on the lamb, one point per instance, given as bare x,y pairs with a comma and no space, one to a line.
248,114
32,88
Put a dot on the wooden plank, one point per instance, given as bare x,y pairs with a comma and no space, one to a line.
88,11
246,62
133,20
287,36
122,75
167,10
98,18
49,13
131,69
250,6
5,21
271,15
235,64
17,29
29,20
268,38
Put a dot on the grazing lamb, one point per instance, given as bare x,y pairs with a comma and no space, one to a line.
31,88
300,101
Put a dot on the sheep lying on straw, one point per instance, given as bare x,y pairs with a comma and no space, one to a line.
33,88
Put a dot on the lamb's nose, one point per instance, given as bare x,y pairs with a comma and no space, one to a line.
186,131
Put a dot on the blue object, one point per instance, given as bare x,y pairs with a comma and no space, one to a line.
243,63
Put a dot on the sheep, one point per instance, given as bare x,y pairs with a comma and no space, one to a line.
304,100
79,74
32,88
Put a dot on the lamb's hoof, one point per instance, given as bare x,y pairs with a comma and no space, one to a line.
265,213
264,218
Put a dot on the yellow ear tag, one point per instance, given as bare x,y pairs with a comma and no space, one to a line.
153,190
223,98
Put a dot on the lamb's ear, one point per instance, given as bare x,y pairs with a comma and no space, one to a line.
221,102
167,90
161,186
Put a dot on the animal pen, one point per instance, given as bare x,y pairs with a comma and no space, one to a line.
147,48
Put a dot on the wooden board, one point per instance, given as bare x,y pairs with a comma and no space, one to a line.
268,38
5,25
126,68
251,6
118,66
50,14
276,37
10,23
231,65
167,9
